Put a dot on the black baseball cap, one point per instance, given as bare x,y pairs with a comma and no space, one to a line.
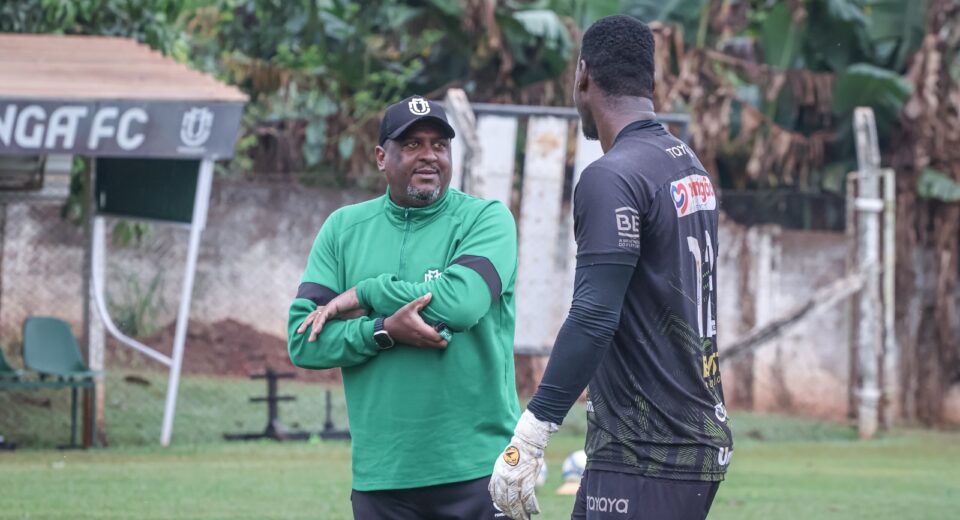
399,116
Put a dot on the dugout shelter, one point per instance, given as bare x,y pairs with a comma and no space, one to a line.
151,129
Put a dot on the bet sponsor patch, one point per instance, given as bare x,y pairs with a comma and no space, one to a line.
692,194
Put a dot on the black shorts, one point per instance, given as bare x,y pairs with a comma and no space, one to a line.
623,496
459,500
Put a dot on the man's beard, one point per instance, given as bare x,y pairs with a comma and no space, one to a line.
590,130
427,196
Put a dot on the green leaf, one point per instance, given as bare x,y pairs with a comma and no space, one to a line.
933,184
454,9
594,10
896,29
545,24
846,10
868,85
780,38
684,12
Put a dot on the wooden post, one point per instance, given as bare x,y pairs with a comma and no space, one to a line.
538,275
869,205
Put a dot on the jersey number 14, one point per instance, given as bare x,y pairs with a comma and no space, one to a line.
706,258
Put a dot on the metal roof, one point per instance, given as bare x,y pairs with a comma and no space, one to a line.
42,66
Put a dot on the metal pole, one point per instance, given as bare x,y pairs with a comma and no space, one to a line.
95,327
851,265
891,351
200,203
869,204
92,330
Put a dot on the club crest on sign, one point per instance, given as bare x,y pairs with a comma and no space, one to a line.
419,106
196,126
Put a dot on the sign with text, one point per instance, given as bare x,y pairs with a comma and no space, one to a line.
171,129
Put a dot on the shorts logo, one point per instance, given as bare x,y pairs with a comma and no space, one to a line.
499,512
692,194
419,106
724,455
608,505
511,456
721,412
432,274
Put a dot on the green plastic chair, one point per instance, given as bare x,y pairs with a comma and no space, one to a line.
49,348
7,372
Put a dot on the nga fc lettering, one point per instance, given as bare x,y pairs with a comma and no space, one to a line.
33,128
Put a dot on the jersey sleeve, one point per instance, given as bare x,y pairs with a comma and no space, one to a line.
341,343
484,264
608,211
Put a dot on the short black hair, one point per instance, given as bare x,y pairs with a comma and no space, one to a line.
619,54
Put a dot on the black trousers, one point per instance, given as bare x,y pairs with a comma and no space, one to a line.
467,500
621,496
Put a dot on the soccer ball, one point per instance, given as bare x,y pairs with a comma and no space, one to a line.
573,468
542,476
574,465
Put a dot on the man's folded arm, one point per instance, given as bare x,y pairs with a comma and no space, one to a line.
341,343
483,264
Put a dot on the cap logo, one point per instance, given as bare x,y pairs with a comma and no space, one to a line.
419,106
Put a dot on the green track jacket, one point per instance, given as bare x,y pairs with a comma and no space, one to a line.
418,417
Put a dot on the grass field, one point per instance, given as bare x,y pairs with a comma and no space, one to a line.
782,469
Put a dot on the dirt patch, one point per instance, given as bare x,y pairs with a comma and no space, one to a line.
224,348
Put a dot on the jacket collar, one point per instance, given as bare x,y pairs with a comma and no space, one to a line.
416,217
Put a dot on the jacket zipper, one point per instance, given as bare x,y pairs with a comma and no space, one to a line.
403,240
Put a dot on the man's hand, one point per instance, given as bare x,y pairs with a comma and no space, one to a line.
514,479
407,327
344,306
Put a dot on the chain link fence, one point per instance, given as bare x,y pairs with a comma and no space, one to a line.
251,258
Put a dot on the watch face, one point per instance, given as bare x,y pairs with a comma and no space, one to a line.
383,339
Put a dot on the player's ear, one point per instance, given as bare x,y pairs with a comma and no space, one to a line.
582,76
381,155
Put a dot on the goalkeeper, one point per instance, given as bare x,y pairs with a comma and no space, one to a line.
641,330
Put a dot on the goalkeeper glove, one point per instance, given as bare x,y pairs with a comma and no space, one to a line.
514,478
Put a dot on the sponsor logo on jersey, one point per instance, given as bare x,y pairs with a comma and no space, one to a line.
511,455
692,194
677,151
419,106
608,505
628,227
432,274
711,369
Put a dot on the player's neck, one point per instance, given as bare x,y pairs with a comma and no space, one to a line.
617,113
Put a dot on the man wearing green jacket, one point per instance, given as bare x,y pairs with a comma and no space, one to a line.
412,295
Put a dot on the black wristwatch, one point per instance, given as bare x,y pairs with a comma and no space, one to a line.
380,335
